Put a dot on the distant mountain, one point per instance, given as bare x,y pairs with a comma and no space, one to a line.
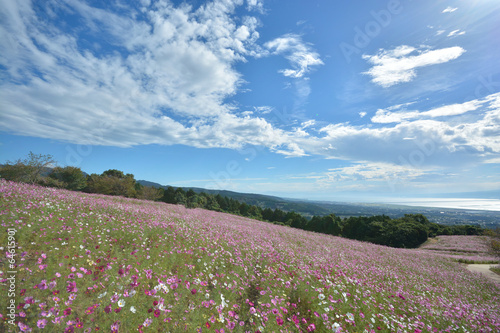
309,208
264,201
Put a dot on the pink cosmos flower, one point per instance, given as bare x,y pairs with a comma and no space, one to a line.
147,322
279,321
41,323
115,326
115,298
23,327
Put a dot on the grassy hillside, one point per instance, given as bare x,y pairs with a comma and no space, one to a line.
86,262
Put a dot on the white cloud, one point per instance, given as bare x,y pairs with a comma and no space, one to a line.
440,32
435,138
493,161
167,82
395,66
387,116
308,123
255,5
362,114
372,172
263,109
456,32
164,81
299,54
449,9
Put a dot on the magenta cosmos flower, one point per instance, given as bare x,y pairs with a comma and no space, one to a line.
71,288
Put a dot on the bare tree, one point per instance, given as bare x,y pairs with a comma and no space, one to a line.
29,170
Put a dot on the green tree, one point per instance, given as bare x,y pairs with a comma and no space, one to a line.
223,202
278,215
114,173
72,178
190,193
180,196
255,212
169,195
150,193
212,203
244,209
267,214
112,182
332,225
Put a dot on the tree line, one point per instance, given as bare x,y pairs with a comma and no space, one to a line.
408,231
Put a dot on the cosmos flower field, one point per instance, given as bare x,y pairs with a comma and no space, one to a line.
468,249
88,263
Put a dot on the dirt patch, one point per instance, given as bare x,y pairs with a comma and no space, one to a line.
484,270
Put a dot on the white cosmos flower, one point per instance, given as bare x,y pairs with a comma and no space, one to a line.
121,303
132,309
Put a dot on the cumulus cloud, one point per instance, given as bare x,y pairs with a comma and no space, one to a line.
299,54
257,5
418,138
398,65
161,79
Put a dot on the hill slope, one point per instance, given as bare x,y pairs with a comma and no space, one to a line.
88,261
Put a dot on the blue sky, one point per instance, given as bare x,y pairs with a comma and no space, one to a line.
334,100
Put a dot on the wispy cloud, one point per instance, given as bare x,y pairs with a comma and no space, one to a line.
373,172
398,65
388,116
299,54
456,32
449,9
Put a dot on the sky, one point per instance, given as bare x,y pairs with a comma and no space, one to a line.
318,99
